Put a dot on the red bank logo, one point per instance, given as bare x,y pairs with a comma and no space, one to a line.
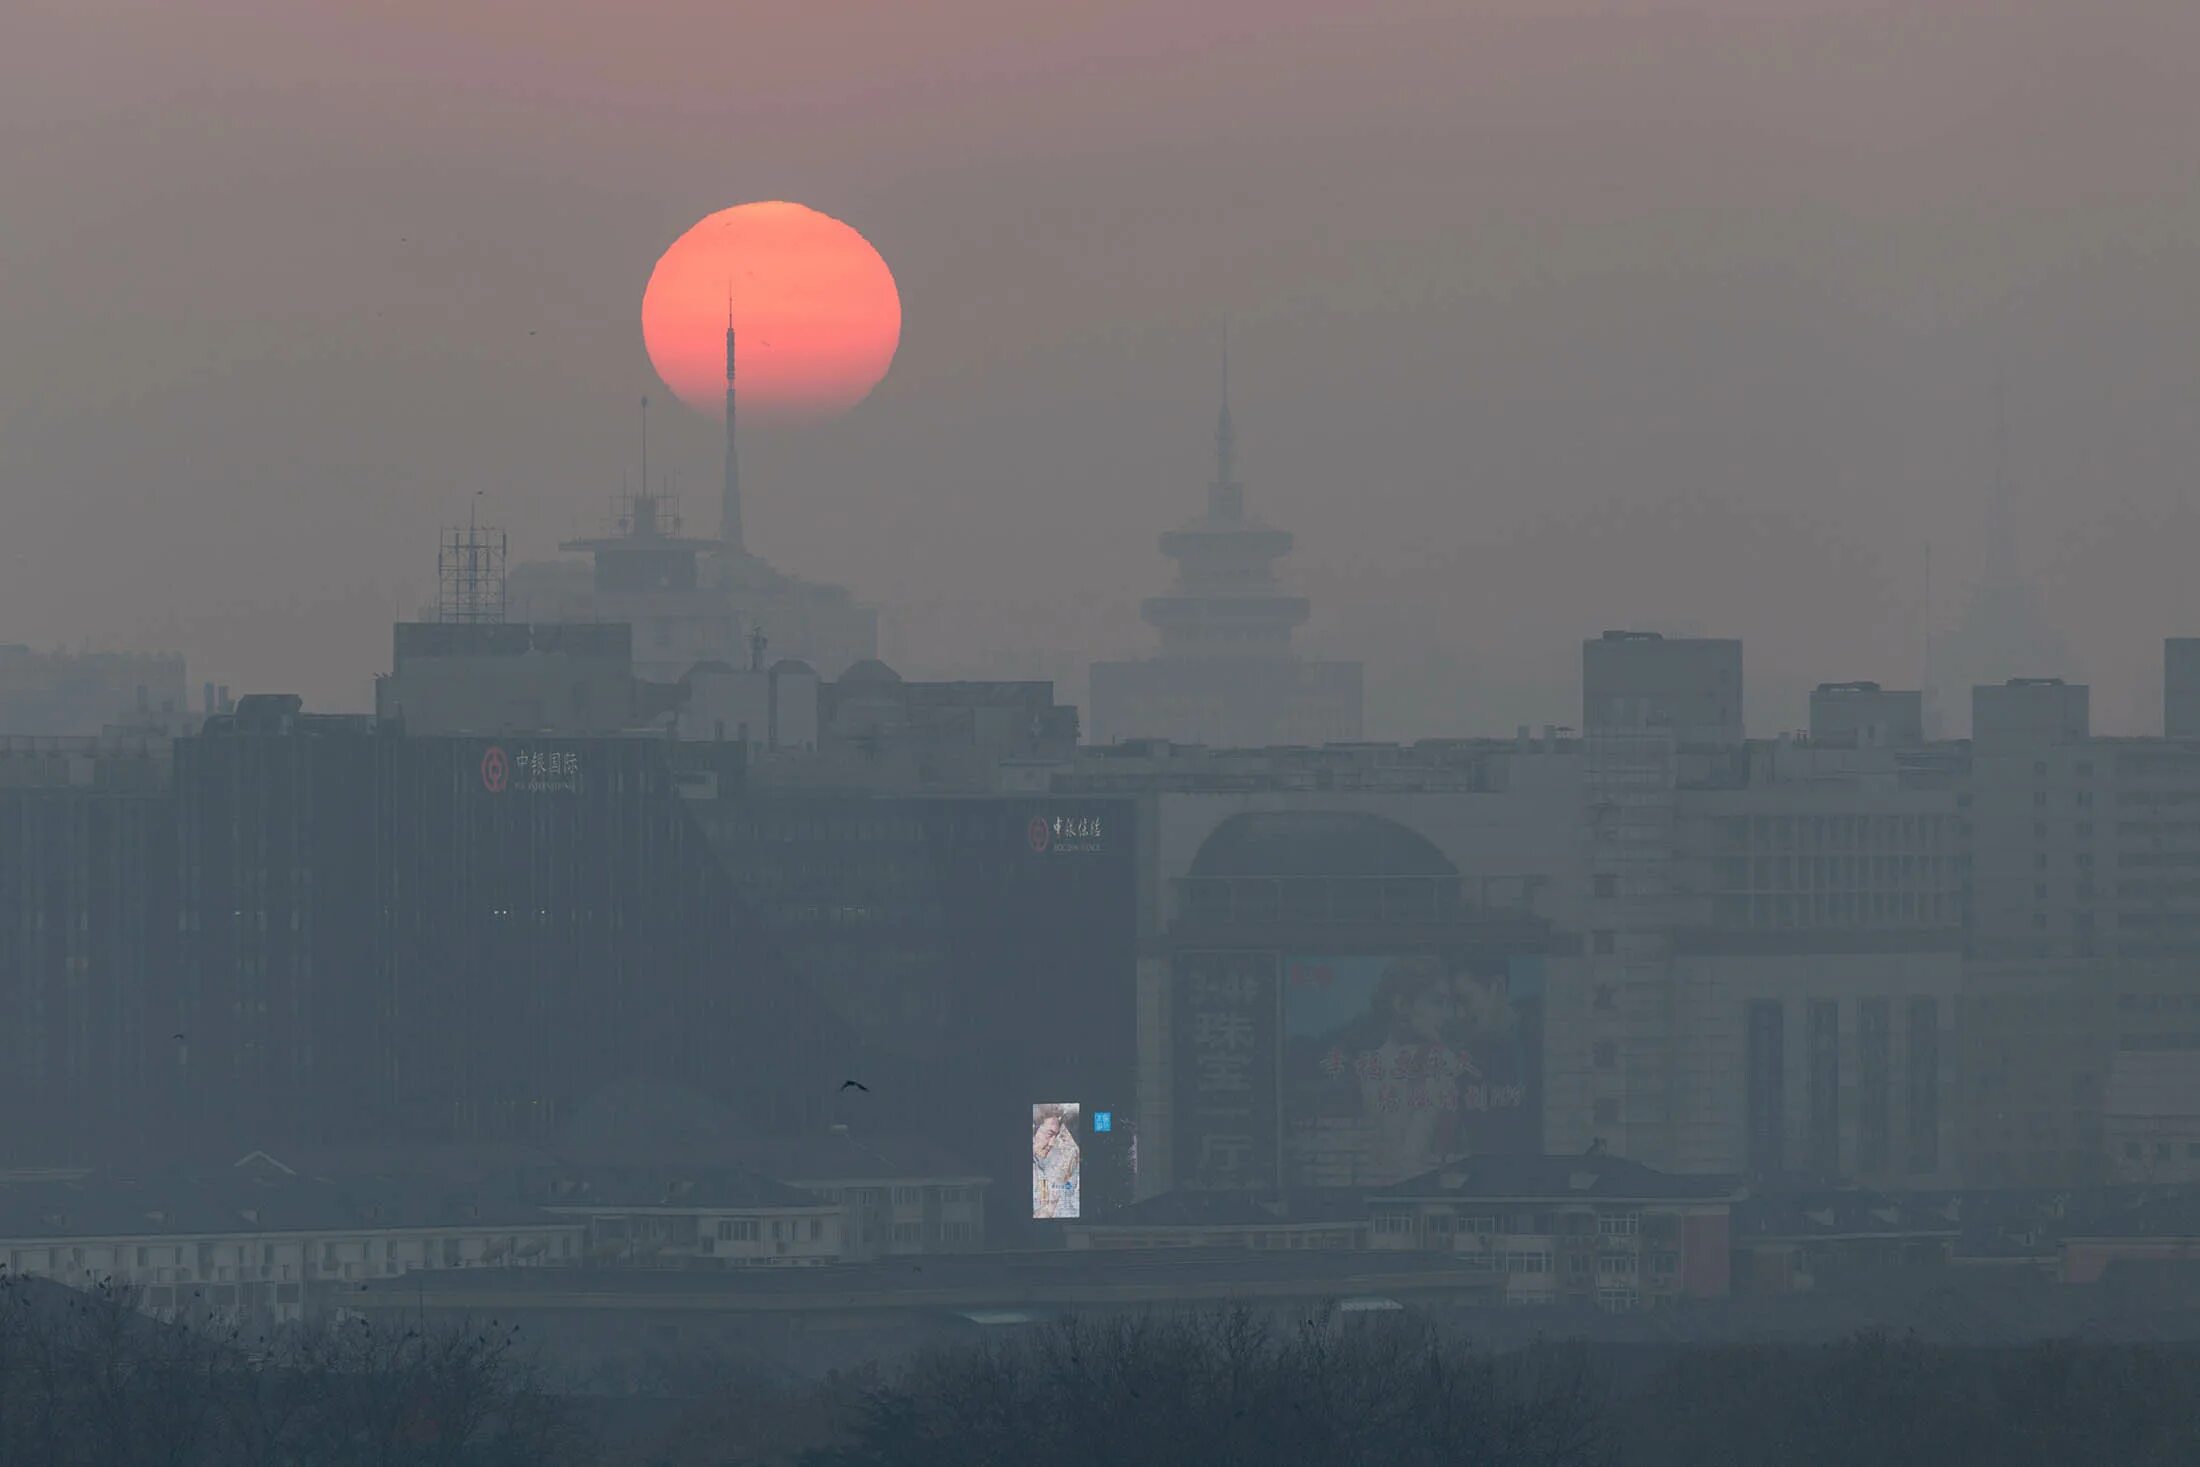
495,770
1040,833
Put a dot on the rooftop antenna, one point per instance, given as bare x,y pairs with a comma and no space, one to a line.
1227,502
469,569
1930,697
729,508
2000,525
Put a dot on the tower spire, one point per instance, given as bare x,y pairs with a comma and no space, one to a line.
729,513
2001,535
1226,499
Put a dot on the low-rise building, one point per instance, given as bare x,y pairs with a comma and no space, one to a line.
1567,1229
252,1242
1300,1218
691,1217
896,1195
1790,1241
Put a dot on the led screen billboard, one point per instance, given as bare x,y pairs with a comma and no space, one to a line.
1057,1161
1394,1064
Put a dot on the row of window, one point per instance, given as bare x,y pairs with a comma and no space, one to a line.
1809,873
1840,908
1619,1224
1579,1267
783,1230
1833,832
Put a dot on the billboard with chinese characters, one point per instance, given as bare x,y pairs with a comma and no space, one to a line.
1225,1021
1394,1064
1059,834
530,769
1057,1161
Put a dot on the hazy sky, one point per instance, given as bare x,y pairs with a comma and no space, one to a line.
1549,315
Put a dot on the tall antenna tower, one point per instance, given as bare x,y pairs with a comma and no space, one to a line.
469,571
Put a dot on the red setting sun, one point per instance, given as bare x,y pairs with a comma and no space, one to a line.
815,312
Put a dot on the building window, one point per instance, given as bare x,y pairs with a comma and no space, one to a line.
1606,1054
1603,944
1665,1263
908,1232
817,1229
1394,1224
1618,1224
907,1196
1606,1111
1924,1085
1606,997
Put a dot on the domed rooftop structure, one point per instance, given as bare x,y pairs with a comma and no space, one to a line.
1302,843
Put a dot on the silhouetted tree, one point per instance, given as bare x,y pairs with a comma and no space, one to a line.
1230,1388
87,1378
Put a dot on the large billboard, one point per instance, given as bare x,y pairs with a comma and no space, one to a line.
1394,1064
1057,1161
1225,1065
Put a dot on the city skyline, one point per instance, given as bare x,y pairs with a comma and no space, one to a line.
1531,342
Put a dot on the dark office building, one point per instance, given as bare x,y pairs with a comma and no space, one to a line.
975,956
321,929
87,929
382,935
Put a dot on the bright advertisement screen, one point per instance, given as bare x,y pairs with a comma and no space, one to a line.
1057,1163
1397,1063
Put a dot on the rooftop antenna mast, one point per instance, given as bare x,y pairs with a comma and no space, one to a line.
1930,696
469,570
729,505
1226,501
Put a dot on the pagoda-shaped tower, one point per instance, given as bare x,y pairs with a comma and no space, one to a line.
1226,673
1226,601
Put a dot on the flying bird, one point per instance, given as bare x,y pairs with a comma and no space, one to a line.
855,1085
